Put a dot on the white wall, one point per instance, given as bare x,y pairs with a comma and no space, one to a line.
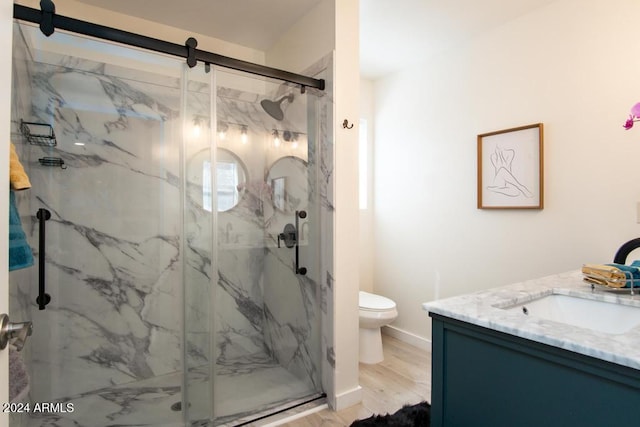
310,38
573,65
366,214
346,255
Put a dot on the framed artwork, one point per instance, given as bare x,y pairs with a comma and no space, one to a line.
510,168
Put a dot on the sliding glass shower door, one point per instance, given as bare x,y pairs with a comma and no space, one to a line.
182,253
98,128
261,314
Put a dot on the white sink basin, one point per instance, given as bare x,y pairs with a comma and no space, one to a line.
596,315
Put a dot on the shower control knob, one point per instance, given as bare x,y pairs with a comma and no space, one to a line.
289,236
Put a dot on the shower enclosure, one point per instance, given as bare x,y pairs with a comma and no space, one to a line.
187,242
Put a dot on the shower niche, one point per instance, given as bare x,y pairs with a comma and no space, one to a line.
171,303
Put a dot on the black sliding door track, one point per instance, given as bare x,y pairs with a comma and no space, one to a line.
187,51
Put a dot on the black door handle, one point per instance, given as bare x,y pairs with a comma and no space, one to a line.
299,270
43,298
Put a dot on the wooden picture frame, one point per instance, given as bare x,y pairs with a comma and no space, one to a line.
510,168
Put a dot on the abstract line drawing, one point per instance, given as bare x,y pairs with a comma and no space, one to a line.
504,180
510,168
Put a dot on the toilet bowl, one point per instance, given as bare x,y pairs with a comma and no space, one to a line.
375,311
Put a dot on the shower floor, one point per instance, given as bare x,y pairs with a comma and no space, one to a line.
148,402
141,403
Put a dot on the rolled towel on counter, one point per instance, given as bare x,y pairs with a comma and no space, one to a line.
612,275
602,274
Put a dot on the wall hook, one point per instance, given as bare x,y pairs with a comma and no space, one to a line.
345,124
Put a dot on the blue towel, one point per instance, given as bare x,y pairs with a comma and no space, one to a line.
20,255
631,272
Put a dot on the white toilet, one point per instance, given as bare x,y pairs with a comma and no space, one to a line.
375,312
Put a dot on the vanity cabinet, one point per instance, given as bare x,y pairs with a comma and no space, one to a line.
484,377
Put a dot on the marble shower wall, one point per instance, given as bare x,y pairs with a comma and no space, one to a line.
292,301
114,238
297,320
259,317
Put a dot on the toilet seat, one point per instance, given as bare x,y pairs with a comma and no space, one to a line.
372,302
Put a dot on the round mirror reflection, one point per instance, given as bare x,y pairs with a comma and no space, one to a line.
231,175
287,178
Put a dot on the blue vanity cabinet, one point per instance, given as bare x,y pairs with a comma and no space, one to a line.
483,377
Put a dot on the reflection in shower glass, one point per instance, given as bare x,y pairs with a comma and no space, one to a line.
227,185
229,179
207,187
278,186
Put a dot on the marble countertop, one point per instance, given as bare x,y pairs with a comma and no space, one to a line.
483,308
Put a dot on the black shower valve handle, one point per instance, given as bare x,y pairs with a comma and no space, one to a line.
291,239
289,236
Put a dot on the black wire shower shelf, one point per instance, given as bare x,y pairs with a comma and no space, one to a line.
38,133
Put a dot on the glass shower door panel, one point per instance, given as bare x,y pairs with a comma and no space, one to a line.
110,340
266,312
199,205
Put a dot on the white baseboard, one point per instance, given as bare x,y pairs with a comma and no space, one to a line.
408,337
348,398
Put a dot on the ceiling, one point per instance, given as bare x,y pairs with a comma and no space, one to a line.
412,31
393,35
253,23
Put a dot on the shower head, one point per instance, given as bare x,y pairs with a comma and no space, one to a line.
273,108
